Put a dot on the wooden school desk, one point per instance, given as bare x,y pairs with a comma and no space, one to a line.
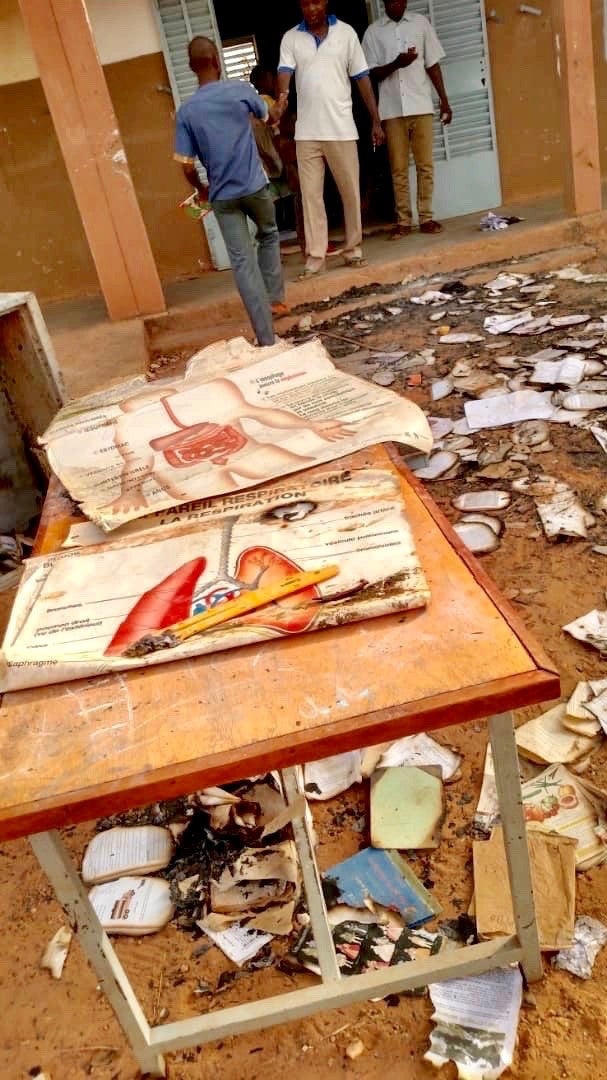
85,749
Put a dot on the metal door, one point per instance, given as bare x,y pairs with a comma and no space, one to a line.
467,177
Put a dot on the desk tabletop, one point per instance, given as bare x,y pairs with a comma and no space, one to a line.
76,751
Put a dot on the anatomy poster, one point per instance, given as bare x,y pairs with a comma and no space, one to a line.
87,610
161,445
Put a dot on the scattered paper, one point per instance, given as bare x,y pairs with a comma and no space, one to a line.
362,945
584,401
476,1023
573,273
546,740
126,851
558,801
569,320
437,465
552,861
591,629
508,281
598,708
509,409
487,814
590,936
504,324
483,501
259,881
567,372
459,339
441,389
330,776
56,952
237,942
382,877
559,508
407,808
421,750
132,905
478,538
601,437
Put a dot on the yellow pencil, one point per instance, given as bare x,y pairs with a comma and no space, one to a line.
250,600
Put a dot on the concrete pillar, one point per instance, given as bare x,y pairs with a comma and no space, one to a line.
575,69
86,126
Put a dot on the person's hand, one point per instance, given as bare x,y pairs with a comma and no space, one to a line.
377,134
127,502
405,59
278,110
332,430
202,195
446,113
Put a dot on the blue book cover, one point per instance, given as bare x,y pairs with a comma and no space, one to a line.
383,877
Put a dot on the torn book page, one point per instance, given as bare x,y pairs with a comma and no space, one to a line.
367,946
590,936
552,859
330,776
559,508
509,409
381,877
558,801
126,851
546,740
237,942
133,906
421,750
566,372
591,629
197,437
487,814
476,1022
56,952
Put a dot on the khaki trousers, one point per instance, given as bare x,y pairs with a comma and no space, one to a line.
406,134
342,159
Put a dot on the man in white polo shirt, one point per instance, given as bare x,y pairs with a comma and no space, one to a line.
404,54
324,54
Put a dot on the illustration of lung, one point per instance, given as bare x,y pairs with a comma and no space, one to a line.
166,603
259,566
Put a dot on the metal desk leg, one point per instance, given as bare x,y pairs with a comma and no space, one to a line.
54,859
508,783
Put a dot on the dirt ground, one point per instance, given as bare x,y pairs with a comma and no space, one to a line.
66,1028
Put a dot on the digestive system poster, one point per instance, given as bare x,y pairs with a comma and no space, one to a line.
157,446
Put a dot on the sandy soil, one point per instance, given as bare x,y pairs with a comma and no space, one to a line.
67,1029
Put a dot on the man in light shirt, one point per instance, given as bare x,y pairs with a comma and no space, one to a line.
324,54
404,54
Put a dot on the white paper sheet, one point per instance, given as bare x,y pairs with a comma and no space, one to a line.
238,943
330,776
507,409
476,1023
125,851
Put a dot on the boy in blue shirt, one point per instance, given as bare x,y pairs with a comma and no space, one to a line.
215,127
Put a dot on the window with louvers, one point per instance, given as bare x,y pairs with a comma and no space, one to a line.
459,25
179,21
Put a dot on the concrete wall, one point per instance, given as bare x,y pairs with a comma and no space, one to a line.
527,98
44,247
42,244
